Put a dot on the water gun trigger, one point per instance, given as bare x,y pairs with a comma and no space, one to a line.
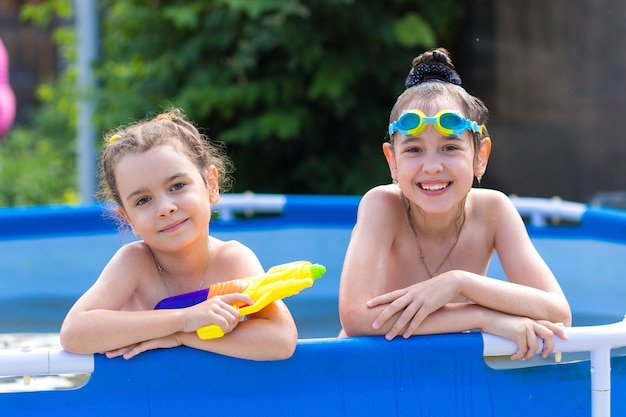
258,305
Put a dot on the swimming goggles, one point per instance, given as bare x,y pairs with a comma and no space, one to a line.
447,122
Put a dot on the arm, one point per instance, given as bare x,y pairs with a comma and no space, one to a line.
523,331
533,291
365,267
96,324
269,334
108,315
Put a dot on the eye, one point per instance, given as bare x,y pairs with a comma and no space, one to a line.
177,186
413,149
142,201
450,148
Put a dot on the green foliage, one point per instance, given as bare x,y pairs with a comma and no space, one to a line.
300,91
37,165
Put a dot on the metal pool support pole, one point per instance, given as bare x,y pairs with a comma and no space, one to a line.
87,36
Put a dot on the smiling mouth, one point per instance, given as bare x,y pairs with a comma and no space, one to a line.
173,226
434,187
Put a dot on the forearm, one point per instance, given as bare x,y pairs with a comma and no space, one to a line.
512,298
451,318
255,339
97,331
270,334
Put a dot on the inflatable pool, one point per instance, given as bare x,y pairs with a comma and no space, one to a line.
50,255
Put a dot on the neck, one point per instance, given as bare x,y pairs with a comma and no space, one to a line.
436,226
183,274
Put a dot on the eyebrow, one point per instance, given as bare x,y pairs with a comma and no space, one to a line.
409,139
144,189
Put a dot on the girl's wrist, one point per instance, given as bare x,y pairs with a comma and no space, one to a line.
456,280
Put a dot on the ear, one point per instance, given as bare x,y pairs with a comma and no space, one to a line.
391,160
482,157
123,214
213,185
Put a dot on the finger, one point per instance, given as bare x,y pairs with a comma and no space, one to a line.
117,352
533,344
548,346
417,320
558,329
389,311
236,298
403,321
385,298
522,347
547,338
140,347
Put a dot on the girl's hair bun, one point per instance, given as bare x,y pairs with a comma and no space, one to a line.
433,65
433,71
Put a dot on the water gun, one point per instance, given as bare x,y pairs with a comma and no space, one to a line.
278,282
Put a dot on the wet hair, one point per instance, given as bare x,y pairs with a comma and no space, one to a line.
433,76
170,128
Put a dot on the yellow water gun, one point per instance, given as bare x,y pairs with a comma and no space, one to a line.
278,282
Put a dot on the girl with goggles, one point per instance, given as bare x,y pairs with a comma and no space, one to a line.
421,246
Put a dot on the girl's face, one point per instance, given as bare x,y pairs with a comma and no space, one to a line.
166,200
434,171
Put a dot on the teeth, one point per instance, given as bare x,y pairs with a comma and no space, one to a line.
434,187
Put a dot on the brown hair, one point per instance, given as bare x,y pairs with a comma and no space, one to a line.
167,128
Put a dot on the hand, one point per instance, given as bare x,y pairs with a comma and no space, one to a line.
217,310
133,350
415,302
524,332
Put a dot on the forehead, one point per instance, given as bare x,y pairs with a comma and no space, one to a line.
162,153
153,164
430,106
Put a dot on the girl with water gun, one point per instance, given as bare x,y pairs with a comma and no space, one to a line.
164,177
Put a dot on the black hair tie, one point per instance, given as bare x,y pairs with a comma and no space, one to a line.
432,71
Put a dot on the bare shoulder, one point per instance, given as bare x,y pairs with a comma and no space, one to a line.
389,193
497,214
233,260
132,256
491,202
383,200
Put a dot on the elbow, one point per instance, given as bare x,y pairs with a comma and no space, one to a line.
286,346
354,323
562,312
282,345
69,341
565,316
72,341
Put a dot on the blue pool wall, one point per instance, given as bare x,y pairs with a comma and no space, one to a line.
50,255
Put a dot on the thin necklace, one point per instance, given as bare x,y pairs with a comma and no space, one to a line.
419,245
162,270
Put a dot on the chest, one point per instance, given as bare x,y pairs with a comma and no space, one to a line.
412,261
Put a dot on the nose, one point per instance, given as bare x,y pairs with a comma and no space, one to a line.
166,207
431,163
